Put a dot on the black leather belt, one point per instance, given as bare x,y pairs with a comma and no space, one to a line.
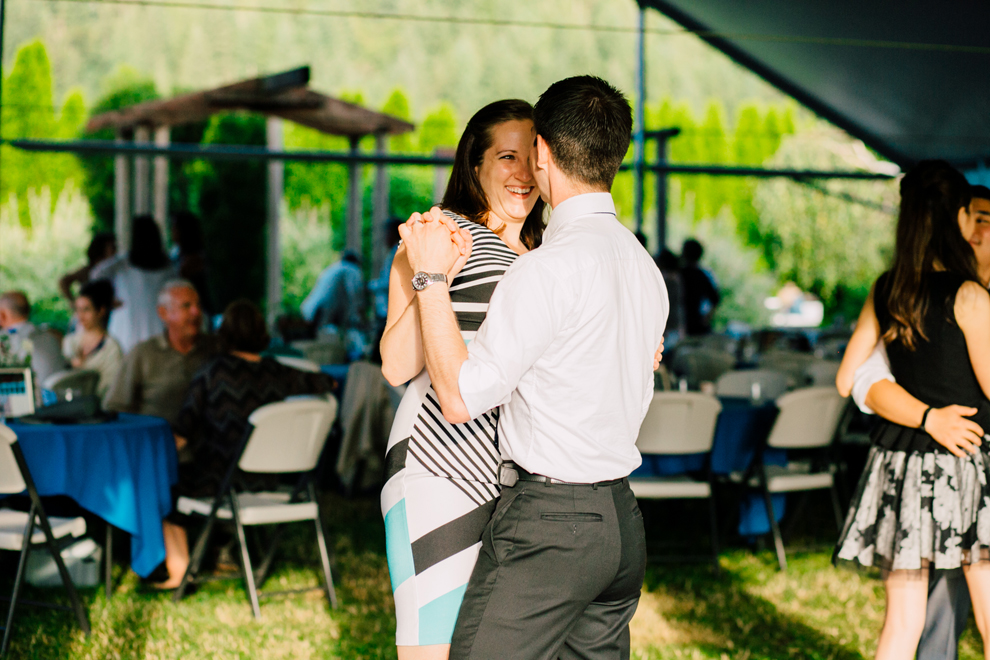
509,474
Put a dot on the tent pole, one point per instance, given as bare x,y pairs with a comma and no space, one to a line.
639,139
354,191
380,211
276,186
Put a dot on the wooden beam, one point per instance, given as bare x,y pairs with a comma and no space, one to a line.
276,187
160,192
354,211
122,197
380,210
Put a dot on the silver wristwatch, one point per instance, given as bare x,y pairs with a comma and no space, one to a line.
422,280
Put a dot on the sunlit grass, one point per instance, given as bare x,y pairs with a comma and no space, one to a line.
750,611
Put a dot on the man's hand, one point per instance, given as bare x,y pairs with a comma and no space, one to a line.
659,356
431,246
950,428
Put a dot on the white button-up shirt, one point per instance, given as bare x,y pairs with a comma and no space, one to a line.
567,347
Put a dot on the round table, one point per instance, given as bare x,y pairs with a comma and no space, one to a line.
122,471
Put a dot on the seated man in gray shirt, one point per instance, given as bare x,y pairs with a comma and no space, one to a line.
156,373
875,391
28,339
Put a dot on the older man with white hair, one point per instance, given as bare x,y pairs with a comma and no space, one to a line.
156,373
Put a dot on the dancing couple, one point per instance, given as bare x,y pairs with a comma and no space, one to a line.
921,511
511,530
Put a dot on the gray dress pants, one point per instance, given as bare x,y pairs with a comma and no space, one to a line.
558,576
945,620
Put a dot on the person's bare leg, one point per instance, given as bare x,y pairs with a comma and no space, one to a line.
978,581
176,554
431,652
907,596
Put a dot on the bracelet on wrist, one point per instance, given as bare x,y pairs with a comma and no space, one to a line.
924,418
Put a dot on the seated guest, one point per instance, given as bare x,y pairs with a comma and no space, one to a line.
337,300
90,347
28,340
214,417
156,373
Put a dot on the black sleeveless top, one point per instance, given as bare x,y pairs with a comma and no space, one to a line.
938,371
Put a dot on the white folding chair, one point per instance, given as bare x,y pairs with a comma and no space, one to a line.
679,423
81,382
699,365
18,531
740,383
302,364
285,437
808,420
822,373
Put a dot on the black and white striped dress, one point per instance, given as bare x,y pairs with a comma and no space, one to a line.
441,482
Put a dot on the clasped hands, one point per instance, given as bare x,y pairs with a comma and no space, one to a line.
435,244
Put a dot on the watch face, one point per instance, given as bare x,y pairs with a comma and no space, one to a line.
420,281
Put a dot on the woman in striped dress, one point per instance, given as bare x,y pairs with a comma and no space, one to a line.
441,483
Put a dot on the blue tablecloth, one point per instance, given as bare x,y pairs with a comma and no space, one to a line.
742,426
122,471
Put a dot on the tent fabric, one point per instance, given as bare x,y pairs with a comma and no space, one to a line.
910,79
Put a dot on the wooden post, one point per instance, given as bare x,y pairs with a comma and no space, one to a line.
380,214
354,211
160,193
276,181
142,171
441,173
122,197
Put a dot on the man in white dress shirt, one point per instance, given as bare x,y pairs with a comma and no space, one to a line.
566,352
948,596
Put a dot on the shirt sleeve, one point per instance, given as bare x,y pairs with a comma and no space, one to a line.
875,369
124,394
317,296
521,322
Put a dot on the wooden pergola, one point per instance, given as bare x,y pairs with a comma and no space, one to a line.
141,182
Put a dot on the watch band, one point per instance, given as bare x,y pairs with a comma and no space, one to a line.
422,280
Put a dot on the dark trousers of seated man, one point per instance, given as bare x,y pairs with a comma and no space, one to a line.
558,576
946,616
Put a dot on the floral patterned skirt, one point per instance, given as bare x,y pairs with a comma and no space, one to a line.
915,510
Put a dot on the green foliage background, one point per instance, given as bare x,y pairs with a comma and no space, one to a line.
759,233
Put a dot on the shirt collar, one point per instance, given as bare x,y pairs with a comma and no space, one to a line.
577,206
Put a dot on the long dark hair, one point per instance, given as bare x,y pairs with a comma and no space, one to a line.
464,194
146,250
100,294
927,236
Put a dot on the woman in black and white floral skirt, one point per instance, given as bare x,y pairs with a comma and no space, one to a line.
921,504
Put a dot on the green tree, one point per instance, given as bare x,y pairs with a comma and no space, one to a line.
439,129
29,111
397,105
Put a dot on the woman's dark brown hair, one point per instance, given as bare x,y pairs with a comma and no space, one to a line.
928,237
243,328
464,194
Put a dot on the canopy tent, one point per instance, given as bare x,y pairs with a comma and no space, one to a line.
910,79
280,96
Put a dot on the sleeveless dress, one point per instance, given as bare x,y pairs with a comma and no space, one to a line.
916,505
441,481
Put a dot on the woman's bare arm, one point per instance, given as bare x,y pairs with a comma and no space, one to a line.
402,342
972,310
860,346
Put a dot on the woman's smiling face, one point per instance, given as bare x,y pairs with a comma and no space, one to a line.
505,173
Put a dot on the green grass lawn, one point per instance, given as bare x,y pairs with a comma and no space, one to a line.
751,611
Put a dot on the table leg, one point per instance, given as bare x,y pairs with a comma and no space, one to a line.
108,551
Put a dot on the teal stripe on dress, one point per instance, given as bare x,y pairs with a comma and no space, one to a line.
437,618
398,548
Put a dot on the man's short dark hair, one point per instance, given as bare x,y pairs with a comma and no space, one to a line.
587,124
17,303
979,192
692,251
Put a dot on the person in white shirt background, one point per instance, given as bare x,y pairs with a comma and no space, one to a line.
875,391
565,352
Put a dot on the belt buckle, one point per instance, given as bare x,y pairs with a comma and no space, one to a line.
507,475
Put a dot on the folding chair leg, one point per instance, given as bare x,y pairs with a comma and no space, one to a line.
197,557
108,570
713,519
836,506
324,552
63,572
18,580
774,528
262,573
245,557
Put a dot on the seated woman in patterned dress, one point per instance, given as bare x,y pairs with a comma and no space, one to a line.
441,484
214,417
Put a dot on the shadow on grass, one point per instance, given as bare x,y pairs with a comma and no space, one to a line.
741,624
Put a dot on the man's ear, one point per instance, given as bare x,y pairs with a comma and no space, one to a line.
543,157
162,312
